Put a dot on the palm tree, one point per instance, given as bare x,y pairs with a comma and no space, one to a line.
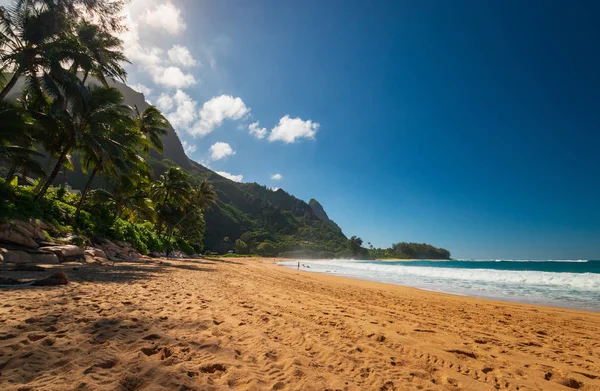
170,193
40,35
76,113
198,199
128,196
201,198
29,34
97,52
204,195
152,125
16,143
109,144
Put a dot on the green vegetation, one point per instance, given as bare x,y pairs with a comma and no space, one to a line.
406,250
66,118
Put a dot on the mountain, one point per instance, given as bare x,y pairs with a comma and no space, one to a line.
249,209
244,210
319,211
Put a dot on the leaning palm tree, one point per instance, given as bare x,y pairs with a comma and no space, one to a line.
39,35
30,37
128,195
201,198
108,145
153,126
76,113
16,143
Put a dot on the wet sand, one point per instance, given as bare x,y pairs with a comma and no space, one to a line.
248,324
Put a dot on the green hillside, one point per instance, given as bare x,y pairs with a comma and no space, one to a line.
243,209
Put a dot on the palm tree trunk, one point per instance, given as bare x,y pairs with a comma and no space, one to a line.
46,170
53,174
85,191
11,84
85,76
162,208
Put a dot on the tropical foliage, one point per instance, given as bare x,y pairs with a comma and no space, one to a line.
404,250
67,51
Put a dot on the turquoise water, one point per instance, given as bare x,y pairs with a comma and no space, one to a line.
573,283
569,266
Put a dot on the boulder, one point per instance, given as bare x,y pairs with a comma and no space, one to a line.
29,230
96,252
17,257
44,259
10,235
67,250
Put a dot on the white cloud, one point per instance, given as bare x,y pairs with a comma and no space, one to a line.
216,110
220,150
184,109
172,77
165,102
180,55
165,16
142,88
256,131
290,129
161,65
277,177
273,188
188,148
144,56
231,177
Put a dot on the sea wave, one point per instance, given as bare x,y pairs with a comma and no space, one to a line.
533,260
581,290
585,281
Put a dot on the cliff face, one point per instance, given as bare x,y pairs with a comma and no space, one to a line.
319,211
173,150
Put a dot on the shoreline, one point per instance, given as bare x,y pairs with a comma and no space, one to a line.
425,290
250,324
579,306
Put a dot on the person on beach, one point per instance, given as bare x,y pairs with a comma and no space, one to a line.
298,265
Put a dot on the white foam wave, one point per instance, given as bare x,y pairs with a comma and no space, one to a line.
583,289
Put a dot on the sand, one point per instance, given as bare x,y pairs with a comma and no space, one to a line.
248,324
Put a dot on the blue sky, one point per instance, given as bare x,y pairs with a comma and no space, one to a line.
469,125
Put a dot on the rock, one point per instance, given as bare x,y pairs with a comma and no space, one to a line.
33,231
96,252
10,235
39,223
44,259
56,279
117,251
67,250
17,257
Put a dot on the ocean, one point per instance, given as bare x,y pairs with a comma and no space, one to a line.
566,283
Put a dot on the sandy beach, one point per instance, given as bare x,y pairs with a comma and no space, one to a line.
248,324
